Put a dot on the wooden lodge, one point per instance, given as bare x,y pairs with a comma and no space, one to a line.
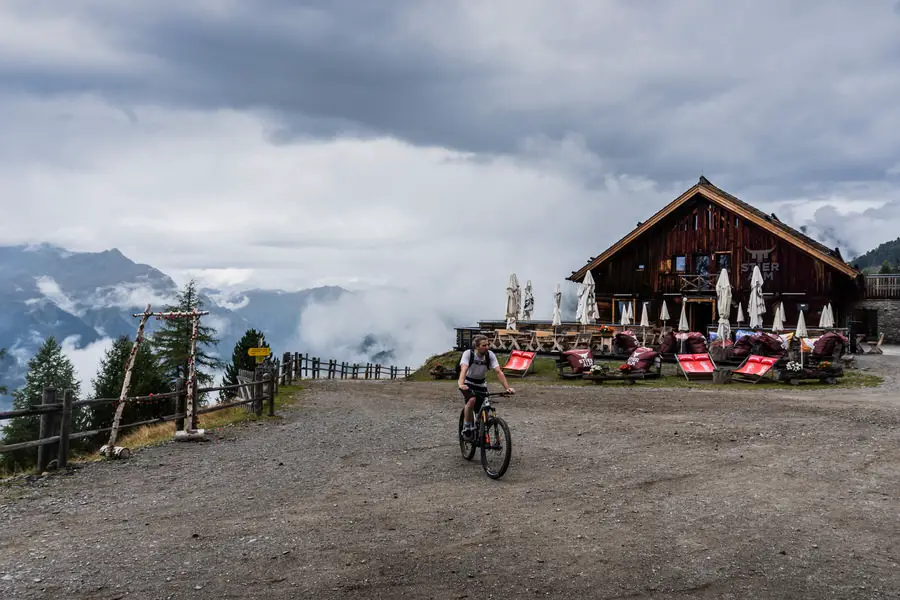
677,254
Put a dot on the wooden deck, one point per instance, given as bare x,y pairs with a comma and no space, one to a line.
883,287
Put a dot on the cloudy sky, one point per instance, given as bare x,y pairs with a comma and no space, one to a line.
435,144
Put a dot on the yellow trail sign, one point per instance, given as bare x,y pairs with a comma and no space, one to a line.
259,351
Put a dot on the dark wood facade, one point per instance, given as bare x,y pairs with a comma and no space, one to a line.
677,255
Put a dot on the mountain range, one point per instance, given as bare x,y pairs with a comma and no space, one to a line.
82,298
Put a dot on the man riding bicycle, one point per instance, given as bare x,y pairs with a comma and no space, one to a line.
473,369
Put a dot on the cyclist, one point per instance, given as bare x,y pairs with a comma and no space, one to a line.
473,369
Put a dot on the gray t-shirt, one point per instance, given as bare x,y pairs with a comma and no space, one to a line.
479,368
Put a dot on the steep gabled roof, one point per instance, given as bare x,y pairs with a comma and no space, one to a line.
724,199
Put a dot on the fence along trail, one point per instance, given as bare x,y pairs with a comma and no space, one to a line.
254,388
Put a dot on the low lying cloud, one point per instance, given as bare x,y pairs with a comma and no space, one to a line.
405,326
135,295
52,292
86,360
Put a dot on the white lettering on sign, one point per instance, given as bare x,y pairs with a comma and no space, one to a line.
767,267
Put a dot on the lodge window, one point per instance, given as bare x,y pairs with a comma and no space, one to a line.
701,264
696,221
680,264
723,261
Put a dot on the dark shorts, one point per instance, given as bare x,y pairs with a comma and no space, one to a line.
475,390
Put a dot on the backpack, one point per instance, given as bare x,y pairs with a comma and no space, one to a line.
471,357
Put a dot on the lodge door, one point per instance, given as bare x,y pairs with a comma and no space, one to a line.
700,314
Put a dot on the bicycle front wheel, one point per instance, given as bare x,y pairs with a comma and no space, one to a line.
466,448
496,447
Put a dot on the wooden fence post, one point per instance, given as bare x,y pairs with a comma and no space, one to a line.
258,392
65,428
180,403
406,371
271,397
46,428
377,371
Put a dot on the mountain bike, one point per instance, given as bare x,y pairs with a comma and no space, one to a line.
491,434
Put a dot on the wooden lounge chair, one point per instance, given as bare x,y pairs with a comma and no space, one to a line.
519,361
698,366
754,368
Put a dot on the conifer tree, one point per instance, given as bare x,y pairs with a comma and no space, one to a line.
147,377
48,368
241,360
172,343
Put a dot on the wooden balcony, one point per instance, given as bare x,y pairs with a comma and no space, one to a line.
883,286
687,283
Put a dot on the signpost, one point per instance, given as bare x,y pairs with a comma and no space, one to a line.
259,353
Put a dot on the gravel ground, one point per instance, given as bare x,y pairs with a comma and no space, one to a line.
359,491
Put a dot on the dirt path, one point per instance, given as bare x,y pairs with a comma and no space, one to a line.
360,492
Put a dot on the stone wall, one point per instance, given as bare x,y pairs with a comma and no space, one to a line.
888,317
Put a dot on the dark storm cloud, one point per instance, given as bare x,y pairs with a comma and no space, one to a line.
773,93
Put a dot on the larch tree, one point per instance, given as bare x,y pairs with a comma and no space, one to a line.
172,343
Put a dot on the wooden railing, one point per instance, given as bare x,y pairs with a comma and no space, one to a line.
882,286
686,282
55,431
295,366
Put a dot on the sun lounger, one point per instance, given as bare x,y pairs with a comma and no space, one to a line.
698,366
644,363
579,362
519,361
754,369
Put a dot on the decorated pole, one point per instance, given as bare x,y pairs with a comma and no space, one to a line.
110,450
190,419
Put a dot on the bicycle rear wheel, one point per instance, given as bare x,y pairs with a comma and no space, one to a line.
466,448
496,447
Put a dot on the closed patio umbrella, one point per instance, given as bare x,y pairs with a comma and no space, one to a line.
723,305
557,307
778,319
683,322
528,305
740,315
512,302
626,315
645,321
757,305
587,304
801,333
664,312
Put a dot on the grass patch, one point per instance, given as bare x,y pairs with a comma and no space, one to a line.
545,372
160,433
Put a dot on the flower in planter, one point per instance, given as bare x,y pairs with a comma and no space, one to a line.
625,368
793,366
825,364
